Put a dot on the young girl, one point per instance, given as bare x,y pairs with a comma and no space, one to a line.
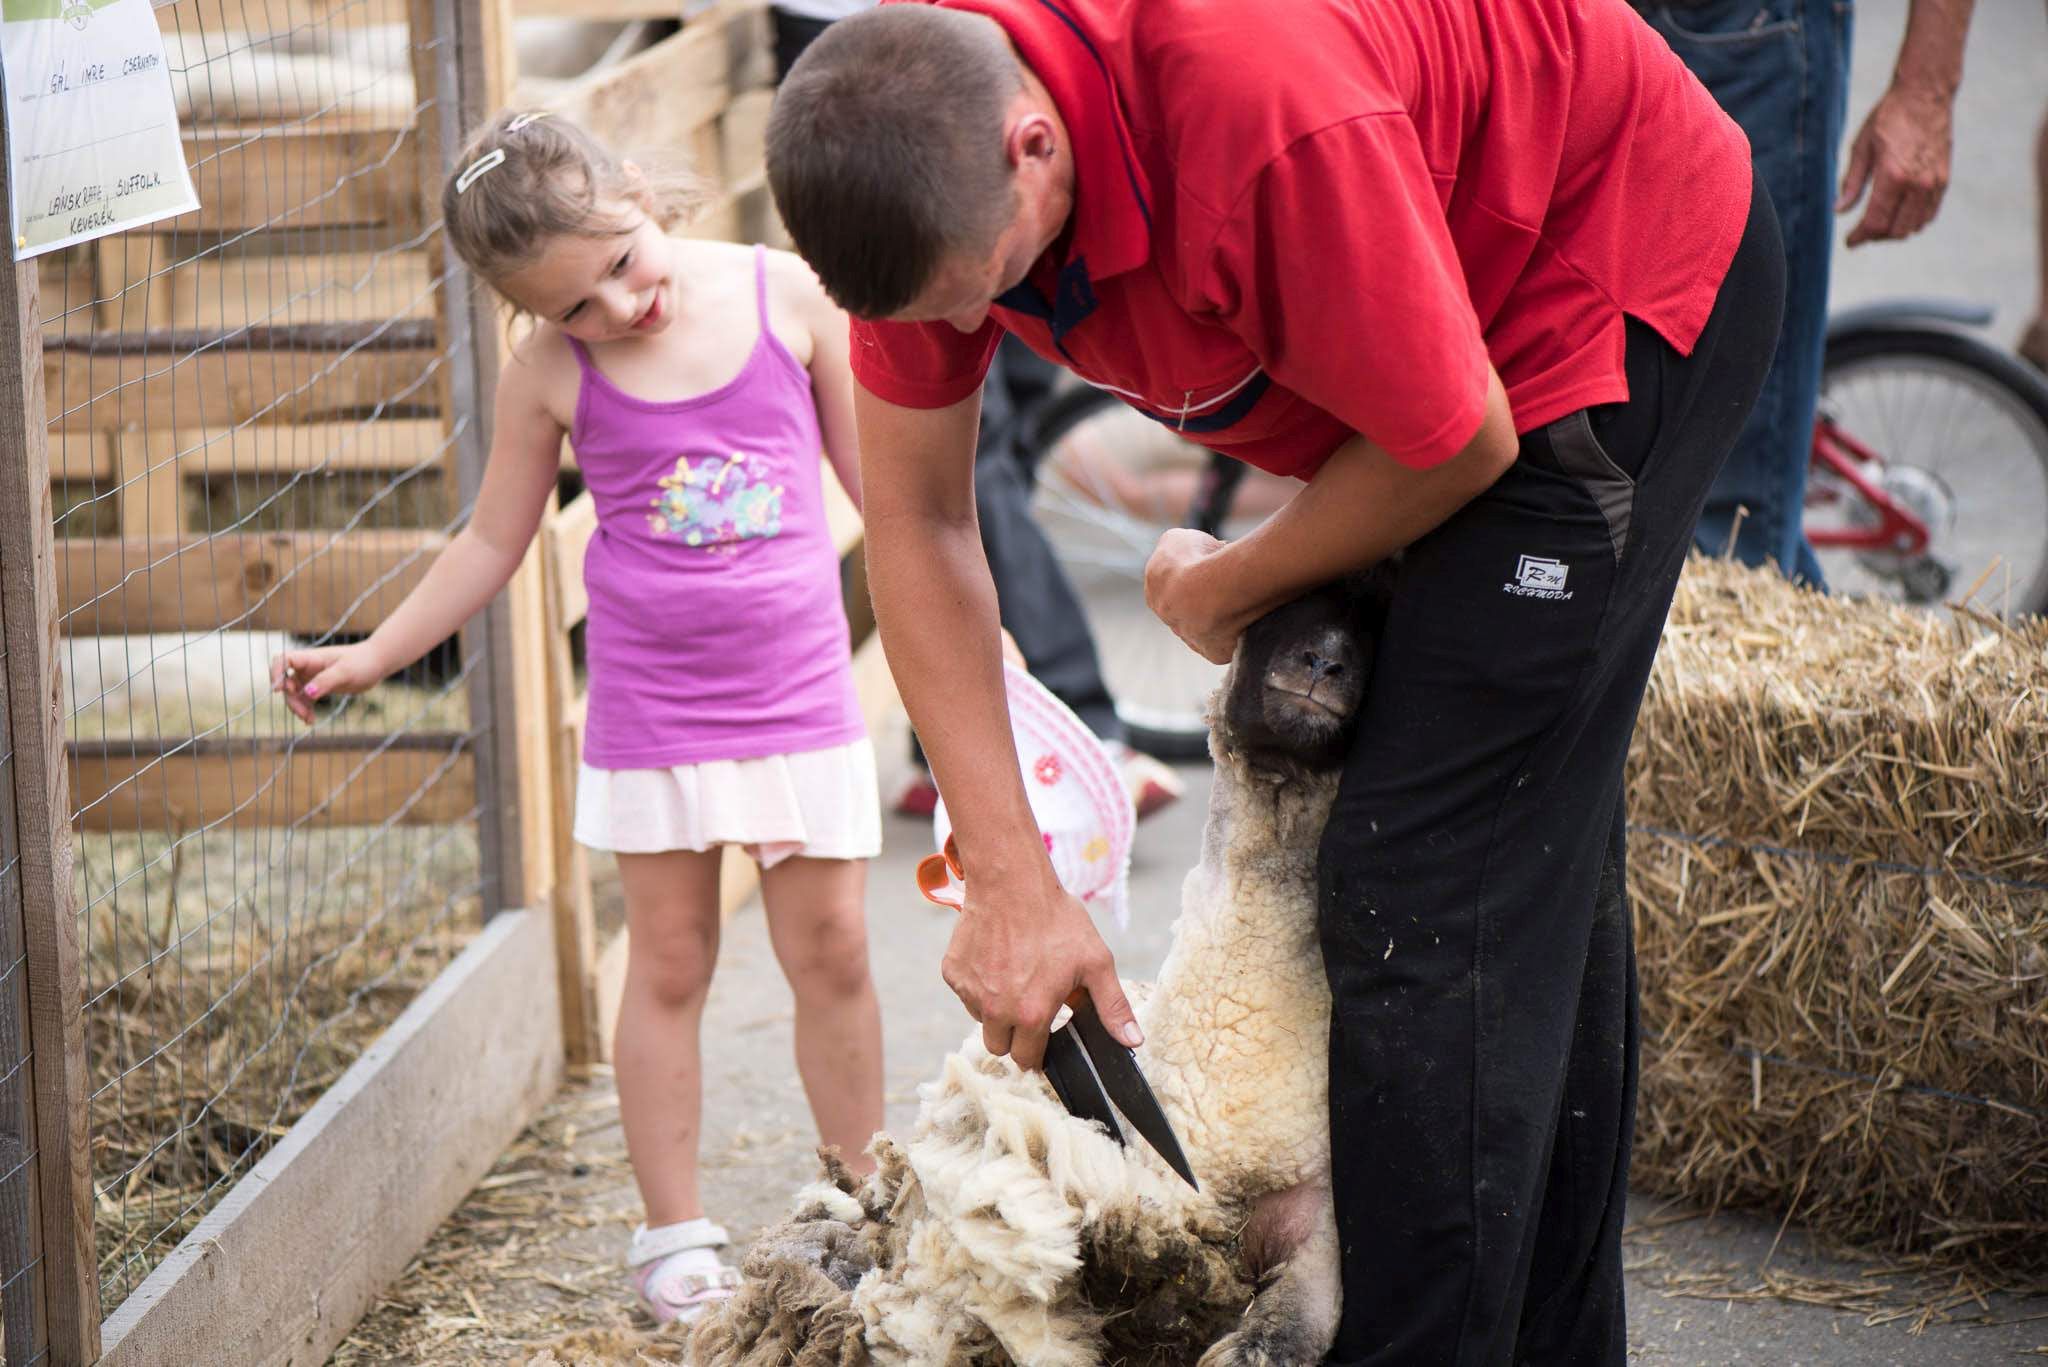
696,382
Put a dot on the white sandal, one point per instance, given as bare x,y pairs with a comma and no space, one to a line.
677,1272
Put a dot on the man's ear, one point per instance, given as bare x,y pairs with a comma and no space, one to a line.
1031,137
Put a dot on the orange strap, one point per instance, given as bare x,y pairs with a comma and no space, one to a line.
941,879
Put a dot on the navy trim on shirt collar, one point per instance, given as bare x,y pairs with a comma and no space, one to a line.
1123,145
1073,300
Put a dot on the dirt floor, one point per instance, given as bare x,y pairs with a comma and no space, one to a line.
530,1262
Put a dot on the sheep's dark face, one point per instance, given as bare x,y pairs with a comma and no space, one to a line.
1291,700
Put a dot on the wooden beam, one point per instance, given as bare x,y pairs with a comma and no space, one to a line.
153,281
566,537
391,444
101,382
278,16
82,456
333,174
310,583
604,11
666,96
298,1250
152,496
43,1131
270,785
464,75
743,134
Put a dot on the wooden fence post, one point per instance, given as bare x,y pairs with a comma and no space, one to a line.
459,49
43,1132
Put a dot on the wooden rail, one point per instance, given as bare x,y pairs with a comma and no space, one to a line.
305,582
329,175
192,784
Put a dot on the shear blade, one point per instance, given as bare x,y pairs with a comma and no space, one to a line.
1080,1091
1117,1068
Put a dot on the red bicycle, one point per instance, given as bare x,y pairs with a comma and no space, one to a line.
1929,477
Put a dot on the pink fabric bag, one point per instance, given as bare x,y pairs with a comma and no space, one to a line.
1077,797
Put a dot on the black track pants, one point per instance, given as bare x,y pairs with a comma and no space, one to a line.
1474,926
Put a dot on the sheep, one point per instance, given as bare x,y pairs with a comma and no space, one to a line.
1004,1231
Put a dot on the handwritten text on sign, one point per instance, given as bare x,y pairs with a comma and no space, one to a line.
92,130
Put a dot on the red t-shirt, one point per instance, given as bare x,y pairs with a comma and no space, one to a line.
1296,222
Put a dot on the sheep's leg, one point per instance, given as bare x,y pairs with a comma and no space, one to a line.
1293,1320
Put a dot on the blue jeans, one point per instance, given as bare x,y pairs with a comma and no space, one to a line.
1781,70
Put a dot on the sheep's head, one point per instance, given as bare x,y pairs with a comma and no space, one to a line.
1291,698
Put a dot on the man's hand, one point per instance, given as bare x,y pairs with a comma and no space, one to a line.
1018,953
1176,591
1901,156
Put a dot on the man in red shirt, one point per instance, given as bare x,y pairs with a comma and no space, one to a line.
1490,277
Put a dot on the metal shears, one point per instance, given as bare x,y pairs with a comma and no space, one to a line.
1088,1067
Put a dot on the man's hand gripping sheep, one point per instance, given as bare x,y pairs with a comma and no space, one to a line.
1004,1230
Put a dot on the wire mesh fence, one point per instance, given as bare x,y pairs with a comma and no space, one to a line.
257,421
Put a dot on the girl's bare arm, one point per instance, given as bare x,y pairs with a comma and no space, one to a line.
525,457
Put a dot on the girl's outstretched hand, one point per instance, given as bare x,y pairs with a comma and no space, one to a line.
306,676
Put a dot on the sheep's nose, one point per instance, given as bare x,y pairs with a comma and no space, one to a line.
1321,666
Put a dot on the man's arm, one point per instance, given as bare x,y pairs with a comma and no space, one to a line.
1901,154
1361,507
1023,945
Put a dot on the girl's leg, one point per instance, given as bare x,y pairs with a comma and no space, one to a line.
819,929
672,917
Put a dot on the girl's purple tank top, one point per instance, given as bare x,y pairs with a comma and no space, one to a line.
716,629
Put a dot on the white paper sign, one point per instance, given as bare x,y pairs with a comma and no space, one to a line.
92,130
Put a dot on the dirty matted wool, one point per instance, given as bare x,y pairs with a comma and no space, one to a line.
1000,1232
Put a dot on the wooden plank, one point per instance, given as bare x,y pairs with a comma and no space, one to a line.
225,17
467,70
745,213
279,786
304,582
222,387
566,537
85,456
743,134
231,290
663,97
281,1269
393,444
603,11
152,496
67,290
575,911
45,918
286,176
24,1312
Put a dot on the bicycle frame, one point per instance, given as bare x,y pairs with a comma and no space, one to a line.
1897,531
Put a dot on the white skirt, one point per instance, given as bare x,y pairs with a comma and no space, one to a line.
819,803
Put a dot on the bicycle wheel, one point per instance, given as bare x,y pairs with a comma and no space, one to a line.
1109,482
1962,430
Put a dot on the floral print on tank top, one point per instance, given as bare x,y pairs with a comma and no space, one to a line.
716,502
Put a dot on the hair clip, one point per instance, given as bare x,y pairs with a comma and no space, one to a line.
524,119
494,157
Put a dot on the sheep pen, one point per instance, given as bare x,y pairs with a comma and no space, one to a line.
1839,869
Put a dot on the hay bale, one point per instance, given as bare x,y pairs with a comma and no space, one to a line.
1829,1029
